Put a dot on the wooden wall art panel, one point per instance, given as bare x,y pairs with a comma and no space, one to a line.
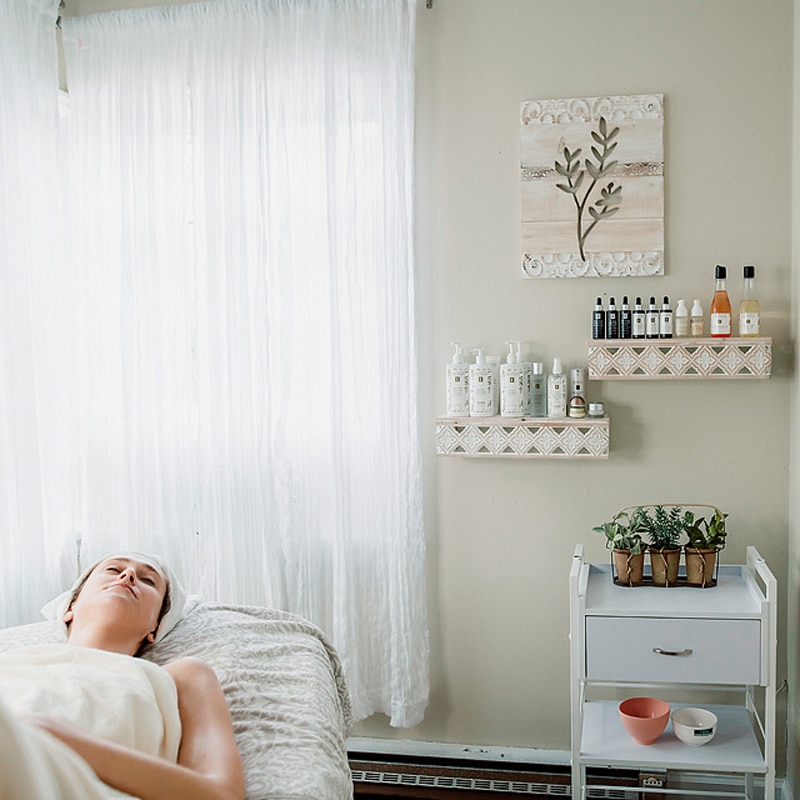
592,174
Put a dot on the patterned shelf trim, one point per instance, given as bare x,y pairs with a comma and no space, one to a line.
522,437
680,358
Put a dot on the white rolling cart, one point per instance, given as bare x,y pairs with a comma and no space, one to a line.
687,641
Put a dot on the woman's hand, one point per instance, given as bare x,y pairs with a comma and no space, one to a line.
209,766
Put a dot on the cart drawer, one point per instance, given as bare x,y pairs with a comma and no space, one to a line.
647,649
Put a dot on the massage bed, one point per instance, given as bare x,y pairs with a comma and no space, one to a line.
284,686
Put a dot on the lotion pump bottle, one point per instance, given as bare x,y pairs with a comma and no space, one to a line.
457,377
696,321
512,394
681,319
527,369
482,386
557,391
538,391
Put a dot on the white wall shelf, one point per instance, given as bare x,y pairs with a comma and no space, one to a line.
522,437
647,359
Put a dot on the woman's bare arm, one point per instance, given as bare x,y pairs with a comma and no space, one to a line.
209,766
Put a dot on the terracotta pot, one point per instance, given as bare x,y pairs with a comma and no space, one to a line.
629,567
665,563
700,566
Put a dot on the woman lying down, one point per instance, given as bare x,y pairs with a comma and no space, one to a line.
87,720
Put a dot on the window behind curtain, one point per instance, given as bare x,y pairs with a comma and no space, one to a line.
241,315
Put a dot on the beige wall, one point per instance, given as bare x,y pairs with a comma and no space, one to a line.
501,533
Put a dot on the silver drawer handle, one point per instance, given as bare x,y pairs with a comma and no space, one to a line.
687,652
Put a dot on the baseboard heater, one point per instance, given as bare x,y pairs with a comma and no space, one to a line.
430,778
436,771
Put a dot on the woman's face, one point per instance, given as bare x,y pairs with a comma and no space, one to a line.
127,590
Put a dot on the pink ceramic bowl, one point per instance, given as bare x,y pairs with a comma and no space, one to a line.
644,718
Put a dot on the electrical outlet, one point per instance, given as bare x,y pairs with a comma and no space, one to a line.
653,779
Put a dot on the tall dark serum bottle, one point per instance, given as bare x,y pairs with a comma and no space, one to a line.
599,320
612,320
721,306
637,320
625,320
652,320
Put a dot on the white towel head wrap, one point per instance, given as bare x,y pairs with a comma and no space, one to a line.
58,606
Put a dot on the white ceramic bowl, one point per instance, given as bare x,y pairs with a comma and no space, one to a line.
694,726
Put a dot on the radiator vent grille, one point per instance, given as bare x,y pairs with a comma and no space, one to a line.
514,787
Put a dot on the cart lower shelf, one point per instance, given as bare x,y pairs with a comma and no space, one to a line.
734,748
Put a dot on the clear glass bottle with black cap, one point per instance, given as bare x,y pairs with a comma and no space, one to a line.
749,310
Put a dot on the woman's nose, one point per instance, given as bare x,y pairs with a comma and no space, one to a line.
129,575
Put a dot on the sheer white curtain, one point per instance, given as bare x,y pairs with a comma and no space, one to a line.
35,357
242,386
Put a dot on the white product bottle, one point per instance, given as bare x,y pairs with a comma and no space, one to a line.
681,319
577,402
527,368
697,319
557,391
494,361
482,387
512,392
538,391
457,377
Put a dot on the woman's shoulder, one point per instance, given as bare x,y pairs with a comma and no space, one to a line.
191,672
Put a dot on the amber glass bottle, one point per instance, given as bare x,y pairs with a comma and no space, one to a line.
721,306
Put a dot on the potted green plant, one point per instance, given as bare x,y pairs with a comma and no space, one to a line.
664,529
624,539
705,539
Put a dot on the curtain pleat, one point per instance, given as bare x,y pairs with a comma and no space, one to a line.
241,202
36,452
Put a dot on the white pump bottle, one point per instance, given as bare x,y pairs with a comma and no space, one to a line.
482,387
457,384
512,385
557,391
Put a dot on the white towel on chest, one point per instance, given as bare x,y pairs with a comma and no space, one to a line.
116,697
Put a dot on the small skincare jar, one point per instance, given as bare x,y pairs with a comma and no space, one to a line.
597,409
